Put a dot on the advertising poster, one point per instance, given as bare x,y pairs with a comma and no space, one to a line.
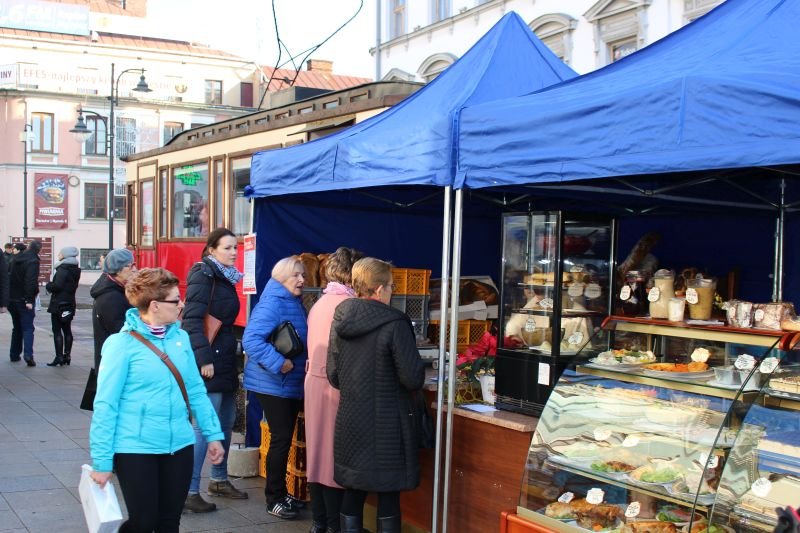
50,201
249,282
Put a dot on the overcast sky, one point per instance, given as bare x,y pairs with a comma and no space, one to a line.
246,28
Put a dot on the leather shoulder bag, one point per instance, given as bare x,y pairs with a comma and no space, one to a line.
167,361
286,340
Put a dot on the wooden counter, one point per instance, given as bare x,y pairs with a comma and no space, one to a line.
488,455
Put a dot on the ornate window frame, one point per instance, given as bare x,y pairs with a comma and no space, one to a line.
616,22
434,65
555,31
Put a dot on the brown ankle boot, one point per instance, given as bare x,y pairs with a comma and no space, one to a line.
225,489
196,504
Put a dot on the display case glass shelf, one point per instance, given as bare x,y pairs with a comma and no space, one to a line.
645,423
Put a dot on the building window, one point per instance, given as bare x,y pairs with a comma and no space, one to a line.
555,31
214,92
42,132
330,105
190,217
96,143
398,19
90,258
694,9
120,202
240,170
95,200
435,65
246,94
621,49
171,129
125,136
440,10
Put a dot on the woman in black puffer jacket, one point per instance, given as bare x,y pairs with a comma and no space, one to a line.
211,288
62,305
374,362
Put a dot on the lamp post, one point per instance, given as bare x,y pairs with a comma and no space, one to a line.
83,132
25,137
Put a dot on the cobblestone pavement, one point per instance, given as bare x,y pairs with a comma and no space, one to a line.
44,441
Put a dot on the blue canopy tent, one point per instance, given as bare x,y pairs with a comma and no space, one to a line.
384,184
699,118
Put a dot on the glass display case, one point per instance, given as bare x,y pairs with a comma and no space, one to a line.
644,426
763,469
544,322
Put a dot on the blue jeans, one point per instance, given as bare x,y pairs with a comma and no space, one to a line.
225,405
22,332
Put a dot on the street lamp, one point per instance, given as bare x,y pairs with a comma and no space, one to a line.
83,132
25,137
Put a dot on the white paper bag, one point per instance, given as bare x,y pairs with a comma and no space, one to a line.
100,506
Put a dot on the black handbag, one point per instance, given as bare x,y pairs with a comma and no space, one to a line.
426,429
286,340
87,402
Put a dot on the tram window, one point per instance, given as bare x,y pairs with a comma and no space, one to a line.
162,194
218,181
240,168
146,221
190,216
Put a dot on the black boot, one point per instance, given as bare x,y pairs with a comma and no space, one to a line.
58,361
317,527
67,359
389,524
350,524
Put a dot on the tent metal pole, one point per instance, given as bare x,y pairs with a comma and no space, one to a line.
437,468
455,280
777,275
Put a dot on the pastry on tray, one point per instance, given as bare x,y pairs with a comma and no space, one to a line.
649,526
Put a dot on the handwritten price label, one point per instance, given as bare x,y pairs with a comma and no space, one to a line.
654,295
546,303
575,338
691,296
595,496
593,290
711,460
625,293
761,487
745,362
602,434
768,365
566,497
575,289
633,510
630,441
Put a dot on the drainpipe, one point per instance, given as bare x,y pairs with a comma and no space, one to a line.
377,40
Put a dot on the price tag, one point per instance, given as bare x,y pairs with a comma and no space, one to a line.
691,296
630,441
711,460
576,268
544,374
745,362
654,295
593,290
761,487
758,316
546,303
575,338
575,289
602,434
595,496
768,365
530,324
633,510
625,293
566,497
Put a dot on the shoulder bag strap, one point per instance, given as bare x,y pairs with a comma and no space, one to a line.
211,296
165,358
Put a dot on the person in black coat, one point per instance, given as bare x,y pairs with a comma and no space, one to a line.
4,286
110,303
211,289
24,287
374,362
62,305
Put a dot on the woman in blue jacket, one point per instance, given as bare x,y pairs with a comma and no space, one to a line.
277,381
141,426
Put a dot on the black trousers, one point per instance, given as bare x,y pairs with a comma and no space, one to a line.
281,414
326,504
62,334
353,503
155,488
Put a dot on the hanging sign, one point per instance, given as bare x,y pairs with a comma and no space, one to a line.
249,281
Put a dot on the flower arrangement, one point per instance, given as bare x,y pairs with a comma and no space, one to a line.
478,359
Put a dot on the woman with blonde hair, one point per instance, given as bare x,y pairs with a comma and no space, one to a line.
374,362
277,380
143,409
322,400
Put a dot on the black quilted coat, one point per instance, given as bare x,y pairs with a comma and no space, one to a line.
203,278
374,362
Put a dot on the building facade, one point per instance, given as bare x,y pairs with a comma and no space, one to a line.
61,58
418,39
